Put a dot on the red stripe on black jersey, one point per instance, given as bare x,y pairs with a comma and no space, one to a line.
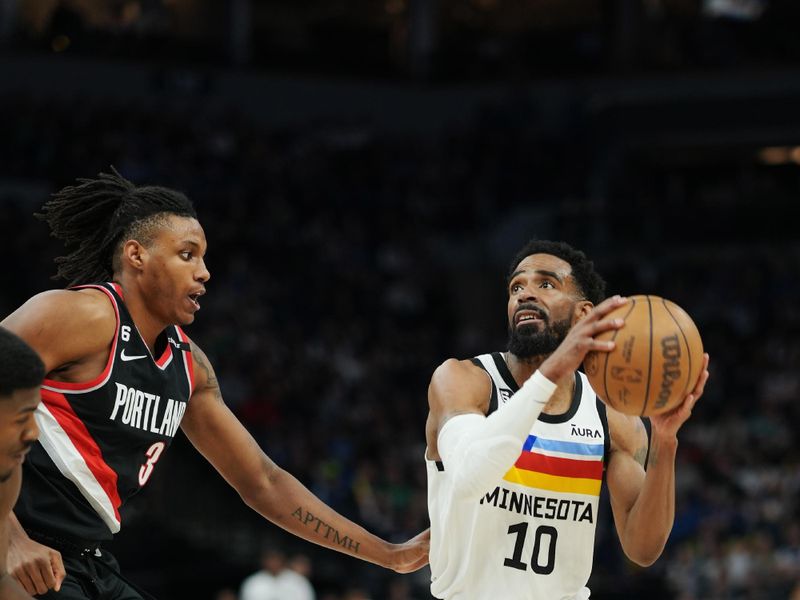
165,357
85,444
97,435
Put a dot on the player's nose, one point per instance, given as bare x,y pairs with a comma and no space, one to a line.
203,274
31,432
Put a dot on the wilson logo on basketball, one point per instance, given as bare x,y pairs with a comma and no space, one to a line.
671,353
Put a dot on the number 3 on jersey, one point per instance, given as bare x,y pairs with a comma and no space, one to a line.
544,534
153,454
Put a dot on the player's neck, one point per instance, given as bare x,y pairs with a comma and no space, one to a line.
148,324
522,368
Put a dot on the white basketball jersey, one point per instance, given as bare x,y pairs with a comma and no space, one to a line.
531,536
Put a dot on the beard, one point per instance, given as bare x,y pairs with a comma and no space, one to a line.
529,341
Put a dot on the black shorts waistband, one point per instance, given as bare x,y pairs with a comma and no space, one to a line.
67,546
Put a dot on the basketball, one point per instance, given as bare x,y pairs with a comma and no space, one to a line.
656,361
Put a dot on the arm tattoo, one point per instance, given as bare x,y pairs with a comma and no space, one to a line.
327,532
211,378
640,455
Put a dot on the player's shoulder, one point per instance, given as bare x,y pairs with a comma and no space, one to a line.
83,321
457,378
457,368
86,307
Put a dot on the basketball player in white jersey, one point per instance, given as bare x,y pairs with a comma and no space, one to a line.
519,445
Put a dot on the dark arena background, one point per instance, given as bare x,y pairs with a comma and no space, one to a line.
364,170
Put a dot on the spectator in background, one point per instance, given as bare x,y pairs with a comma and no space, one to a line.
21,374
278,579
356,594
297,577
263,584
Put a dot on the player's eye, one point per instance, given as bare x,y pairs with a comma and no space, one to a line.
547,284
186,255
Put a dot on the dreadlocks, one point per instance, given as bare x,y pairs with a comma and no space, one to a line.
94,216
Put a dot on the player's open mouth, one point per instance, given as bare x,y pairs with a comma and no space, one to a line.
528,316
195,300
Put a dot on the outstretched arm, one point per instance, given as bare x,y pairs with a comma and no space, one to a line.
274,493
643,503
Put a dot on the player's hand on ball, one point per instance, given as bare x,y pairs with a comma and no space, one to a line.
581,340
667,424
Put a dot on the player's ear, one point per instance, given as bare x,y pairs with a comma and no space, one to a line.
582,308
133,254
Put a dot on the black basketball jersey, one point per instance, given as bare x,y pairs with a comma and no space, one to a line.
100,440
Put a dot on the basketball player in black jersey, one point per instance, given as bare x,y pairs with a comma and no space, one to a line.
121,378
21,373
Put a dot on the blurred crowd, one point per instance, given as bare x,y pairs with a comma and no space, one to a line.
459,39
347,263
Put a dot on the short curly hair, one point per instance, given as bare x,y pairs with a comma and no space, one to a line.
20,365
589,282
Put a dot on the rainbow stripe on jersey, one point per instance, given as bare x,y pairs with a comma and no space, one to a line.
559,466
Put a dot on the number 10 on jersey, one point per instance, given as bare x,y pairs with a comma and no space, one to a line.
544,535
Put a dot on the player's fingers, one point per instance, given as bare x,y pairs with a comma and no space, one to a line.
600,345
48,572
59,572
417,564
25,581
606,306
604,325
38,578
702,379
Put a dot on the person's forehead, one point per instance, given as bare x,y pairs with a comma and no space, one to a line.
181,228
20,400
544,262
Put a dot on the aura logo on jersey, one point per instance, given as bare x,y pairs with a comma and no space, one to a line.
140,410
586,432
